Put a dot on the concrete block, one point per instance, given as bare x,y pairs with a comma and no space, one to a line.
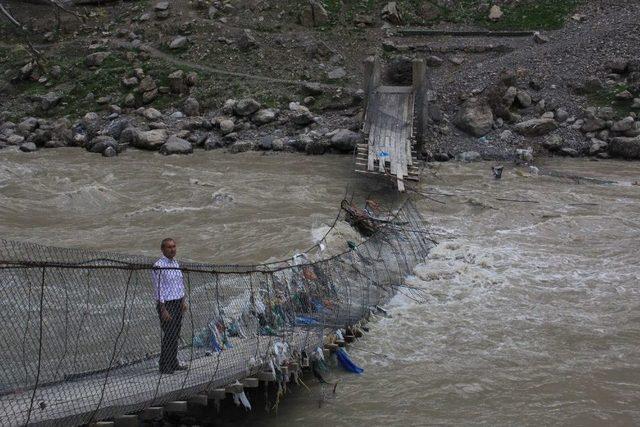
153,413
251,382
176,407
127,421
199,399
217,394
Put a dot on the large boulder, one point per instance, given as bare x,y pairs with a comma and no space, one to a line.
150,140
28,147
28,125
623,125
312,15
96,59
264,116
50,100
625,147
536,127
100,143
475,117
246,107
241,147
345,140
175,145
178,42
191,107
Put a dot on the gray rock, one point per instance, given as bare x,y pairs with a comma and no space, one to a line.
150,140
100,143
92,123
178,42
129,135
147,84
149,96
625,147
312,88
130,82
277,144
539,38
553,143
303,117
264,116
109,152
246,40
175,145
634,131
227,126
561,115
618,65
152,114
28,147
593,124
27,126
507,136
441,157
115,128
495,13
524,99
15,139
313,14
623,125
605,113
636,104
345,141
624,96
241,147
337,73
525,155
315,147
468,156
246,107
536,127
177,82
475,117
597,146
96,59
50,100
162,5
213,12
191,107
569,152
391,13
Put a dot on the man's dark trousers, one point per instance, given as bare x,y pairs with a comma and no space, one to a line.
170,335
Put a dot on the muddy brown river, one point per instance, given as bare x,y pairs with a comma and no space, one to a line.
533,312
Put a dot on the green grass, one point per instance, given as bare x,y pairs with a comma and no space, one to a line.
525,15
607,98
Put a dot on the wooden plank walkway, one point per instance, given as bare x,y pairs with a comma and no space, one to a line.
134,388
389,128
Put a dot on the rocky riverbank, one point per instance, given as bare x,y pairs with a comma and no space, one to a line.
250,75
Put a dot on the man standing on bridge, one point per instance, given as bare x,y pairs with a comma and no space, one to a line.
168,288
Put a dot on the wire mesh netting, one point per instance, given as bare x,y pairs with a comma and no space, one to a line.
81,337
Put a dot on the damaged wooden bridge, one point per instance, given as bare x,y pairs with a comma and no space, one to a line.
392,124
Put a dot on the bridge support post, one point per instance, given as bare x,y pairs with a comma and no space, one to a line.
371,79
419,88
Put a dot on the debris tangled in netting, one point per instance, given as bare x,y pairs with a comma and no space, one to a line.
80,335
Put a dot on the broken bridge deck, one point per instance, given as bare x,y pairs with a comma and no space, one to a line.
389,127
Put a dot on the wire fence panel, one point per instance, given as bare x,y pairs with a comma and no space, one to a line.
81,337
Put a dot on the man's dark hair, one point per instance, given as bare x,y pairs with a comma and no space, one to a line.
165,241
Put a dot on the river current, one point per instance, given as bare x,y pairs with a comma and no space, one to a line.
533,292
